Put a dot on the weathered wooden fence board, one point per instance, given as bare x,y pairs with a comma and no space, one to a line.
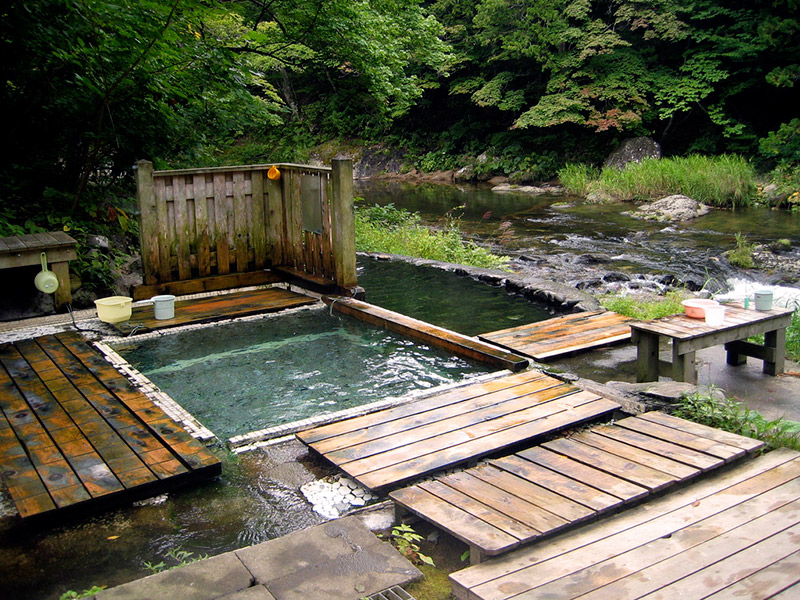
200,223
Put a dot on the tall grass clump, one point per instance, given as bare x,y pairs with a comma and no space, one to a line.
733,416
396,231
793,335
726,180
576,178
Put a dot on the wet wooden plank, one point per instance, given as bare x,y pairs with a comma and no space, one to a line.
563,335
369,422
216,308
668,548
71,439
572,479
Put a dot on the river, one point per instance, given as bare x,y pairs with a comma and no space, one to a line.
570,240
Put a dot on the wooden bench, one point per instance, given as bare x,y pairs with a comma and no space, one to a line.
689,335
26,250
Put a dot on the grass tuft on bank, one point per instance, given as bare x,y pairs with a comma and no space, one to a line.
397,231
638,308
724,181
733,416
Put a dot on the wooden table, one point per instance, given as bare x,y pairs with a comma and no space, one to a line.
26,250
689,335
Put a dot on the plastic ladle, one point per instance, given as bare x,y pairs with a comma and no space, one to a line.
46,281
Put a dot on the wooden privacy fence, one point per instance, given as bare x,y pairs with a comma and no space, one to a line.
229,223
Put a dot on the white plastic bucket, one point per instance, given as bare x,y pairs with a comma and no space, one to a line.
164,306
763,300
715,315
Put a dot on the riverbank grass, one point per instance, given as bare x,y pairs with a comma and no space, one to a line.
397,231
727,414
725,181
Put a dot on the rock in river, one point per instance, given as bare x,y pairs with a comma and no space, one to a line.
671,208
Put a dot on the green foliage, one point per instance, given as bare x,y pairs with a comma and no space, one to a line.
726,180
733,416
404,538
742,255
638,308
73,595
397,231
783,145
178,558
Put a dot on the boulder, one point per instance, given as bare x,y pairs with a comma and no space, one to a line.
633,150
672,208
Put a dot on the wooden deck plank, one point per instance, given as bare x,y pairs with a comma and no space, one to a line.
70,439
680,566
516,508
565,481
563,335
681,454
471,416
470,448
610,463
479,510
215,308
770,582
387,447
456,519
681,438
670,525
459,394
438,409
592,498
594,478
725,437
637,455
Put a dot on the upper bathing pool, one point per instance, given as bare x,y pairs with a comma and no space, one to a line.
255,374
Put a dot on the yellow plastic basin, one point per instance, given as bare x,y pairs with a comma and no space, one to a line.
114,309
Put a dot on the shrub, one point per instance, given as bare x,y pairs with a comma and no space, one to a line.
742,255
732,416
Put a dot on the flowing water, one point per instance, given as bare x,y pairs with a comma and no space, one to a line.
565,238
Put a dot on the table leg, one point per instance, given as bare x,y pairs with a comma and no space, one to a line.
63,294
646,356
777,341
733,357
683,365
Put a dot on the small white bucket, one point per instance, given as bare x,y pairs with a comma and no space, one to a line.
164,306
763,300
715,315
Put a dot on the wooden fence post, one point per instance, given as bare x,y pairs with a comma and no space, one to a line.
343,223
146,198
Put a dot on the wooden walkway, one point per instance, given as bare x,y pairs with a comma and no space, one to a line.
562,335
389,447
215,308
74,433
515,500
732,535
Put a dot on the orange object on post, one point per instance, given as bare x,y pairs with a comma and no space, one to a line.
274,173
